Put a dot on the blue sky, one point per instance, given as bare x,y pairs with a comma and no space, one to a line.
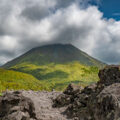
110,8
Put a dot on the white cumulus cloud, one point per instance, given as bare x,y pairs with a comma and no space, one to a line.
25,24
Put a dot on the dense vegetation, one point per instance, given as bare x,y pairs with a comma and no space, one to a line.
16,80
58,76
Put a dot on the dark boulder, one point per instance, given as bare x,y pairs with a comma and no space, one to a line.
90,89
81,107
14,106
109,75
62,100
107,105
68,96
73,89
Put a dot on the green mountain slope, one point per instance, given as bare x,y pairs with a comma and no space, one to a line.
57,53
58,76
16,80
55,66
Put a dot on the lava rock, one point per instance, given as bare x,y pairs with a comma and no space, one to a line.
100,101
62,100
73,89
81,107
90,89
107,105
14,106
109,75
68,96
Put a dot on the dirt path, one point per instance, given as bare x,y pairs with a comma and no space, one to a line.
43,105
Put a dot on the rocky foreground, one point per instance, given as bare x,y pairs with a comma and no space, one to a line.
100,101
29,105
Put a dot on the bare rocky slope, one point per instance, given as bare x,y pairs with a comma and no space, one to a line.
100,101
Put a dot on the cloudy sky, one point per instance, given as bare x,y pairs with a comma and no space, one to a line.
91,25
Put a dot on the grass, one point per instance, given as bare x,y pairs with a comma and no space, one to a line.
58,76
16,80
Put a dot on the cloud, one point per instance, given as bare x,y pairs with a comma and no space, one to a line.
25,24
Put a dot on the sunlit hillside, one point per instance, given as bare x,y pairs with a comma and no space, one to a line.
54,66
58,76
16,80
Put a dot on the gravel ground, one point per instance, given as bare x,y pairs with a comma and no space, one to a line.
43,105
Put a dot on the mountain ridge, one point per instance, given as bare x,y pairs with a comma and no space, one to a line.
55,53
57,65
